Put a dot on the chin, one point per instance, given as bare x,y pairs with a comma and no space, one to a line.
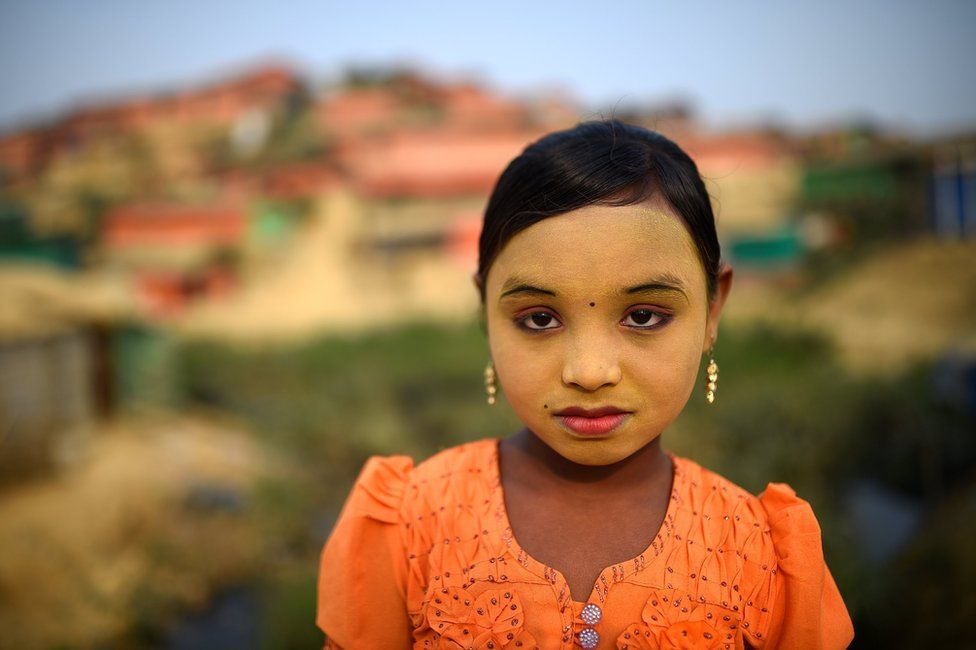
598,451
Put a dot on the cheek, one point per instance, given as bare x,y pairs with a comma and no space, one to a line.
524,372
528,370
666,373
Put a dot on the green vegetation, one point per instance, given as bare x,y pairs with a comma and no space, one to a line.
785,411
411,391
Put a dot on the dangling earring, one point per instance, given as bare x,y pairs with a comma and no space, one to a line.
712,371
490,388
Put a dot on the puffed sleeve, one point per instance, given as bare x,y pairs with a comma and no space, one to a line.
807,609
363,568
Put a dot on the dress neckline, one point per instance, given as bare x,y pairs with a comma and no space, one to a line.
609,574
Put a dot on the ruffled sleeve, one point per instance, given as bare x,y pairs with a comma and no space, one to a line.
807,609
363,569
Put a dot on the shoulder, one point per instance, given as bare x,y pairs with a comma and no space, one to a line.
460,475
776,516
711,494
389,488
702,479
773,507
467,457
772,542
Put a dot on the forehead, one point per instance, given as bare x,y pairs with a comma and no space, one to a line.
599,249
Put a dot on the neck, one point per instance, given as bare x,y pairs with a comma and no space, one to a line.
647,465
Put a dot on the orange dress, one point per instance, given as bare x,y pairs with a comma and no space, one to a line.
424,557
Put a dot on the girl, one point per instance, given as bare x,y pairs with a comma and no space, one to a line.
601,284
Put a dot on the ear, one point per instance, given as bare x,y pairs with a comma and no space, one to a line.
482,315
723,286
479,285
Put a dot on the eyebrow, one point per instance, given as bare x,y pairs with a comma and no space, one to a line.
665,282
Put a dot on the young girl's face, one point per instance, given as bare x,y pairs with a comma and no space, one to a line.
599,307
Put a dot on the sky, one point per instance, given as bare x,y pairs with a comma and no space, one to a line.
906,65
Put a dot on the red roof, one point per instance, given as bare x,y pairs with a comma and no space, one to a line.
728,152
173,225
357,110
299,180
20,152
433,163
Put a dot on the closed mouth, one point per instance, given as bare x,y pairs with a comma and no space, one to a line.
591,413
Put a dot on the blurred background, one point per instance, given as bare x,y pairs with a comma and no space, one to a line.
236,242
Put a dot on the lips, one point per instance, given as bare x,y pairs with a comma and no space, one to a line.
592,422
591,413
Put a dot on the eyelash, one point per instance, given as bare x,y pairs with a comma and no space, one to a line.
521,320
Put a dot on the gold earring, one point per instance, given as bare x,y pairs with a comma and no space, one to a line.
490,382
712,371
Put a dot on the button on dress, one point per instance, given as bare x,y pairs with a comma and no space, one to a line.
424,557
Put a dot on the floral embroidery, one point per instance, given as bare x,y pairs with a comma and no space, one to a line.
493,619
671,620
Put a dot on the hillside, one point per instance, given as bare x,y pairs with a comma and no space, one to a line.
906,301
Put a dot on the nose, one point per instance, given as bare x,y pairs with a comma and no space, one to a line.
591,362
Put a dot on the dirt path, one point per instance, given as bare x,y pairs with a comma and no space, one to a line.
153,516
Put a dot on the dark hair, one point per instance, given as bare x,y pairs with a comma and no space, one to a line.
605,162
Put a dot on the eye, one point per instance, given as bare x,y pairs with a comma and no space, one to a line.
537,321
646,319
